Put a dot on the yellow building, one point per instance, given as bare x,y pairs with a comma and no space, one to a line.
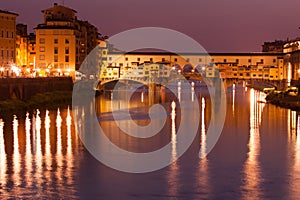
7,41
22,51
63,42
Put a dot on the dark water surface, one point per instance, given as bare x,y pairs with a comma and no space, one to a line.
256,157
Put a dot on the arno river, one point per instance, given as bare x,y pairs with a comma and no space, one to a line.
257,155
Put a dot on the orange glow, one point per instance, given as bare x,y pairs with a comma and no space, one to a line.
2,155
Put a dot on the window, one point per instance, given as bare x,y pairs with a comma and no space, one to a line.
200,59
274,60
2,53
42,40
187,60
12,54
262,61
12,34
2,33
42,49
67,58
42,57
55,50
151,59
163,59
126,59
175,59
138,59
55,41
237,60
55,58
212,60
67,41
225,60
67,50
249,60
110,58
7,34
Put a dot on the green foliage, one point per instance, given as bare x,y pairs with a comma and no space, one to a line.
48,100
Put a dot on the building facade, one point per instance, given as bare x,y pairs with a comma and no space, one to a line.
7,41
268,66
63,42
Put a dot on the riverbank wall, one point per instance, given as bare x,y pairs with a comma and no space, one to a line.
25,88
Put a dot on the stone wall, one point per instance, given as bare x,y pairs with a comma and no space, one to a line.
25,88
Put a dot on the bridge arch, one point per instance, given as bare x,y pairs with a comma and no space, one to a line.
187,68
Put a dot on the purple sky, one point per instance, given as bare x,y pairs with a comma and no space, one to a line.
218,25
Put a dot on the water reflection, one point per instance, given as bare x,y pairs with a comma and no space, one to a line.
16,155
38,153
54,164
2,155
28,164
291,125
233,98
35,172
174,168
69,155
59,157
203,163
295,137
252,170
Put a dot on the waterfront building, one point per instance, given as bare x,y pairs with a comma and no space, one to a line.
7,41
63,41
32,51
274,47
22,51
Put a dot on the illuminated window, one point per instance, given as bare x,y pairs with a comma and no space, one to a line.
42,57
42,40
42,49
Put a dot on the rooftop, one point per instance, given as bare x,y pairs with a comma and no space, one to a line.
7,12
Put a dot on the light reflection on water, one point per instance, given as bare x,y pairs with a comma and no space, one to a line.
16,155
42,157
35,171
2,155
252,167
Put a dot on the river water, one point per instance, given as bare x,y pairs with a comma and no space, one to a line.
257,155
